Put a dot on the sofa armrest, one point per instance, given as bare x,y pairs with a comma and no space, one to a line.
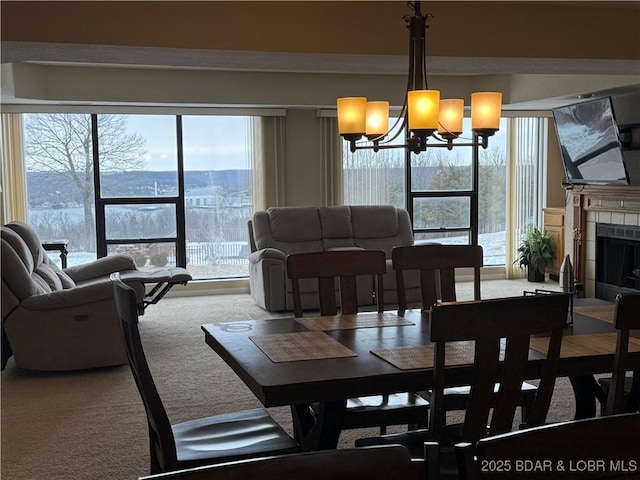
102,267
265,253
77,296
267,278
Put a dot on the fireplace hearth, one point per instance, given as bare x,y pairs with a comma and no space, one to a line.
617,260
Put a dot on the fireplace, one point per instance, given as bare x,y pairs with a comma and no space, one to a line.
616,207
617,260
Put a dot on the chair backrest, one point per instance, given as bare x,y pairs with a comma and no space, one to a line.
328,266
595,448
499,328
437,265
161,442
369,463
626,317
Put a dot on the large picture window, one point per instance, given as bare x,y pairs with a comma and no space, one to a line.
159,187
440,191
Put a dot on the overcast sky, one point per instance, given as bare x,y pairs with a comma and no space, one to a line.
210,142
214,142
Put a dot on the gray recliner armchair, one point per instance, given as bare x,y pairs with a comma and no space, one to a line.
64,319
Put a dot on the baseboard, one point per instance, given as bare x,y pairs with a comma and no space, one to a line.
210,287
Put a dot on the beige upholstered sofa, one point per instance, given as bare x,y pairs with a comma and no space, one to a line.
55,319
277,232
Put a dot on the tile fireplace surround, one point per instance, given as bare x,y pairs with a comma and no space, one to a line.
592,205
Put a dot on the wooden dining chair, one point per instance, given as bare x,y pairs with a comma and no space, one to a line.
623,392
376,463
500,330
342,267
337,269
561,450
203,441
438,265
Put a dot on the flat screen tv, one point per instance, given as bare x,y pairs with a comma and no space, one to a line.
590,145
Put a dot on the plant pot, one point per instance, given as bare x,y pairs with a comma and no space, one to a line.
534,275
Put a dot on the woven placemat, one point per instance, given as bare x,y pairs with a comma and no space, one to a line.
583,345
296,346
421,356
349,322
600,312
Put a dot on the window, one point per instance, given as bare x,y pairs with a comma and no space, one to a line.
171,190
218,194
441,192
58,153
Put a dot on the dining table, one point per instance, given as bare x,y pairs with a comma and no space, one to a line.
326,360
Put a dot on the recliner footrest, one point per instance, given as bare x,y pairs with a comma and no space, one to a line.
164,280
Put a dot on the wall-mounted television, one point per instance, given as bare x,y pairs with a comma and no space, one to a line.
590,144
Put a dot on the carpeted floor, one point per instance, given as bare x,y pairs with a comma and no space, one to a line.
91,424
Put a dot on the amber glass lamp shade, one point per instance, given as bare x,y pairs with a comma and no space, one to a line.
352,115
424,106
450,118
486,108
377,119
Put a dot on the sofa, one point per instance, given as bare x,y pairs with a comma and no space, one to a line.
280,231
64,319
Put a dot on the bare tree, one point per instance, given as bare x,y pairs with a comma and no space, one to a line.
62,144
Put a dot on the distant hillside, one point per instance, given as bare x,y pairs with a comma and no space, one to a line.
53,189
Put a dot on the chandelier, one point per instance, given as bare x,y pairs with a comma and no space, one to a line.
424,113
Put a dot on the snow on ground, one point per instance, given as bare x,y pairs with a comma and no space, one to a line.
494,245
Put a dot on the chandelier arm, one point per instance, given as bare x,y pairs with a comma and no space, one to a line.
379,139
402,118
439,138
482,144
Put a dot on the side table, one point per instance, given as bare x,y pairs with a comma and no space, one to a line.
60,246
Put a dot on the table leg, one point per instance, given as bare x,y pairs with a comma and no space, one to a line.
320,432
586,390
63,257
303,421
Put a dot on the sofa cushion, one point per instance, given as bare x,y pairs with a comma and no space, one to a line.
17,265
31,240
336,227
374,221
12,242
48,274
381,227
288,229
66,280
291,224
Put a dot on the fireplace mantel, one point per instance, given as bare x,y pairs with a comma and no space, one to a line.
610,199
590,205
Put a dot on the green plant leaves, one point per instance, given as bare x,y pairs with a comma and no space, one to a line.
536,250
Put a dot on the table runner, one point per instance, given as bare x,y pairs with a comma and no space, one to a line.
421,356
582,345
296,346
600,312
349,322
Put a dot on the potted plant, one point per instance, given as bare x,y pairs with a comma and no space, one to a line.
535,252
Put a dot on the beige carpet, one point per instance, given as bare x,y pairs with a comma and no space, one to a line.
91,424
